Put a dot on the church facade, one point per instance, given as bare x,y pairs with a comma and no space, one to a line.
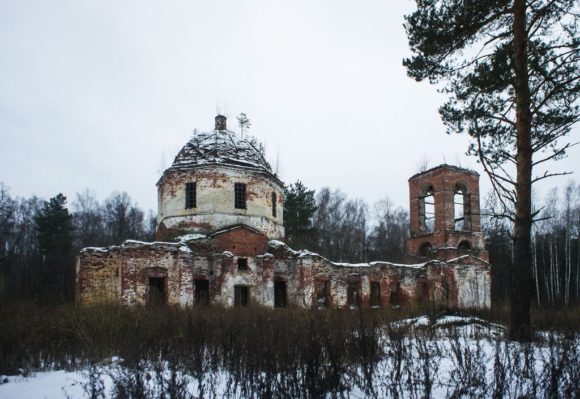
220,241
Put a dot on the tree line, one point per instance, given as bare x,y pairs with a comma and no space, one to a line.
343,229
555,249
40,239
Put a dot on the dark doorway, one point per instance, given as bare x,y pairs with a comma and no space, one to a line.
201,292
375,293
156,291
241,295
280,294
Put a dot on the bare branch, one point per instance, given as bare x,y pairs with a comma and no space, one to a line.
547,175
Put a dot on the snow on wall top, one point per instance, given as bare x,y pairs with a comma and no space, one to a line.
279,245
134,244
222,147
444,166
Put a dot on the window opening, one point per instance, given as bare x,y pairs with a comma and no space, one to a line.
190,195
462,208
427,210
274,204
201,292
422,291
240,195
242,263
464,248
280,294
353,293
156,291
426,250
241,295
396,293
375,293
322,293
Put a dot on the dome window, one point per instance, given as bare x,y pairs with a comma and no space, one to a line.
240,195
190,195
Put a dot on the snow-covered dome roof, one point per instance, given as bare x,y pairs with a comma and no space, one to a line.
221,146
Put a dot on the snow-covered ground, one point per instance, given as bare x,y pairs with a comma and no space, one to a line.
451,356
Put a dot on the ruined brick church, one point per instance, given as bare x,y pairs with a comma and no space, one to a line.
220,241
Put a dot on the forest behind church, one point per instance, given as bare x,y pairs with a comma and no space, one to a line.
39,239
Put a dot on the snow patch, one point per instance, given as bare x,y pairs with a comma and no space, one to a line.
190,237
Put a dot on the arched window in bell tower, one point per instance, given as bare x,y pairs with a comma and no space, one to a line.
462,208
426,250
464,247
427,210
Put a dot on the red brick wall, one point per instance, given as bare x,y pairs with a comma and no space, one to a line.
443,179
241,242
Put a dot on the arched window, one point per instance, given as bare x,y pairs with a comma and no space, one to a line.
273,204
426,250
427,210
462,207
464,247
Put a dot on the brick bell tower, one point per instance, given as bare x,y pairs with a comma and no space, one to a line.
445,214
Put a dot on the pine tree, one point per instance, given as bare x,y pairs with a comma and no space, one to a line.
299,207
511,70
54,232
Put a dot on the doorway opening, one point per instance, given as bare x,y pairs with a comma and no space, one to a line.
156,291
241,295
201,292
280,294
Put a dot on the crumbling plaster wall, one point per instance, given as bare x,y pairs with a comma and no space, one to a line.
215,201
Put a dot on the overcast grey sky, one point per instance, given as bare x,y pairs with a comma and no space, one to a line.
93,93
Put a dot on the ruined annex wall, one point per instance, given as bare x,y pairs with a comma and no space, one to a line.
464,282
307,274
98,273
215,201
122,274
170,261
398,284
257,278
473,286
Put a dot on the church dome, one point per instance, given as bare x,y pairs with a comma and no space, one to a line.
219,180
223,147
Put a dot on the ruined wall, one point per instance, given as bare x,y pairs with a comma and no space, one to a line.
98,273
473,285
215,201
398,284
122,274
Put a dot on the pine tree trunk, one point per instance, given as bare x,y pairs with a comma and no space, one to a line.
521,274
